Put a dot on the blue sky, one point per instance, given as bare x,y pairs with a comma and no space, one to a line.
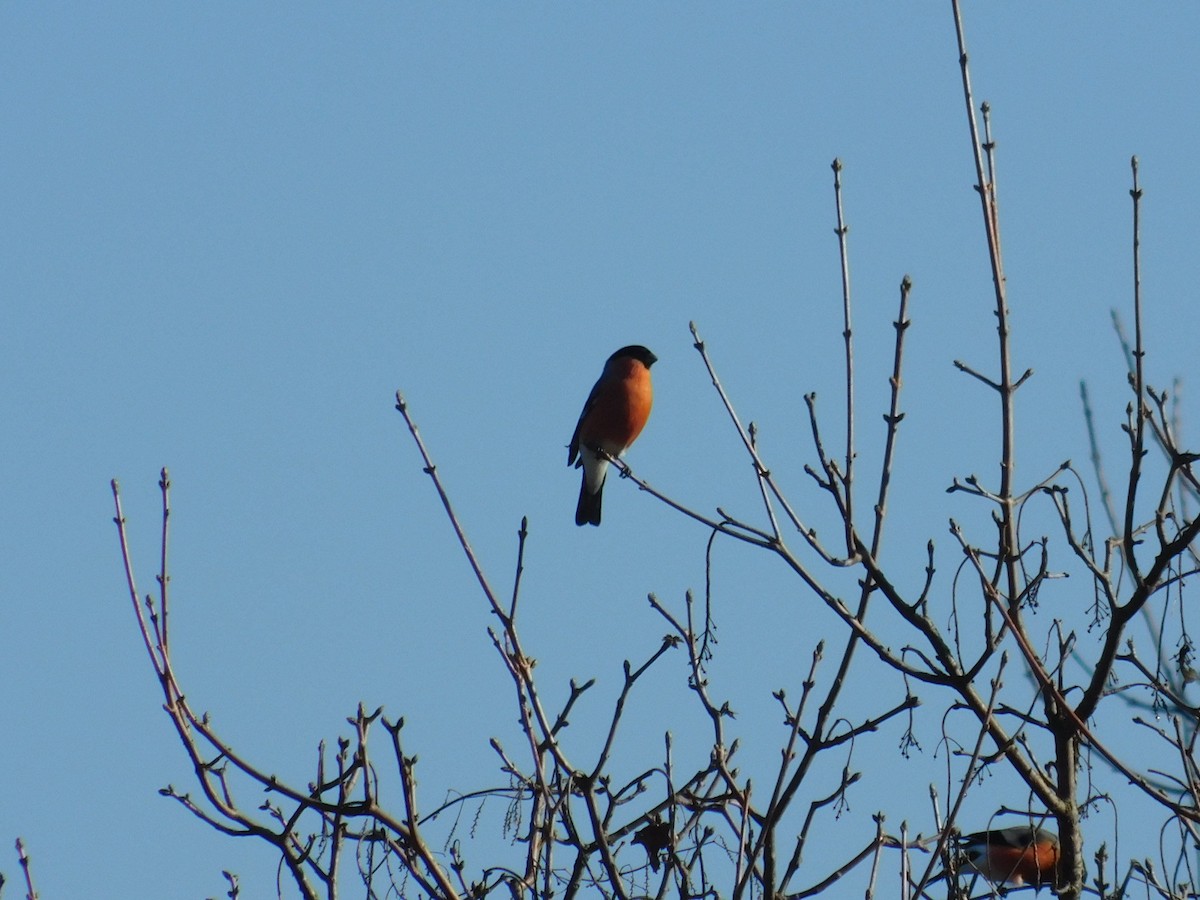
233,230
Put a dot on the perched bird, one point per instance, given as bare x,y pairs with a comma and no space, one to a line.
1019,855
613,416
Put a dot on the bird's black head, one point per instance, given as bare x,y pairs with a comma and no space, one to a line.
635,351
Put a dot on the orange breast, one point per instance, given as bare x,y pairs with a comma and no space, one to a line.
621,407
1030,865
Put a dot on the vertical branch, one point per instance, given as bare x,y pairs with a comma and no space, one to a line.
1138,435
164,484
984,187
1008,556
848,335
1064,725
1066,775
893,416
989,149
160,666
522,535
23,859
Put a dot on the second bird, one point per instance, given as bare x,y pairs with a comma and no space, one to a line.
1018,855
613,416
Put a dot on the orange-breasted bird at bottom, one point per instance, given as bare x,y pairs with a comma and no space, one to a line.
613,416
1018,856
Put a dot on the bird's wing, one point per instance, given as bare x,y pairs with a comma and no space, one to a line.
573,448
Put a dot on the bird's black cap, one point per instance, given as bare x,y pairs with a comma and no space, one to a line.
638,352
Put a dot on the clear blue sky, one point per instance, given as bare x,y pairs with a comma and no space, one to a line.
232,230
